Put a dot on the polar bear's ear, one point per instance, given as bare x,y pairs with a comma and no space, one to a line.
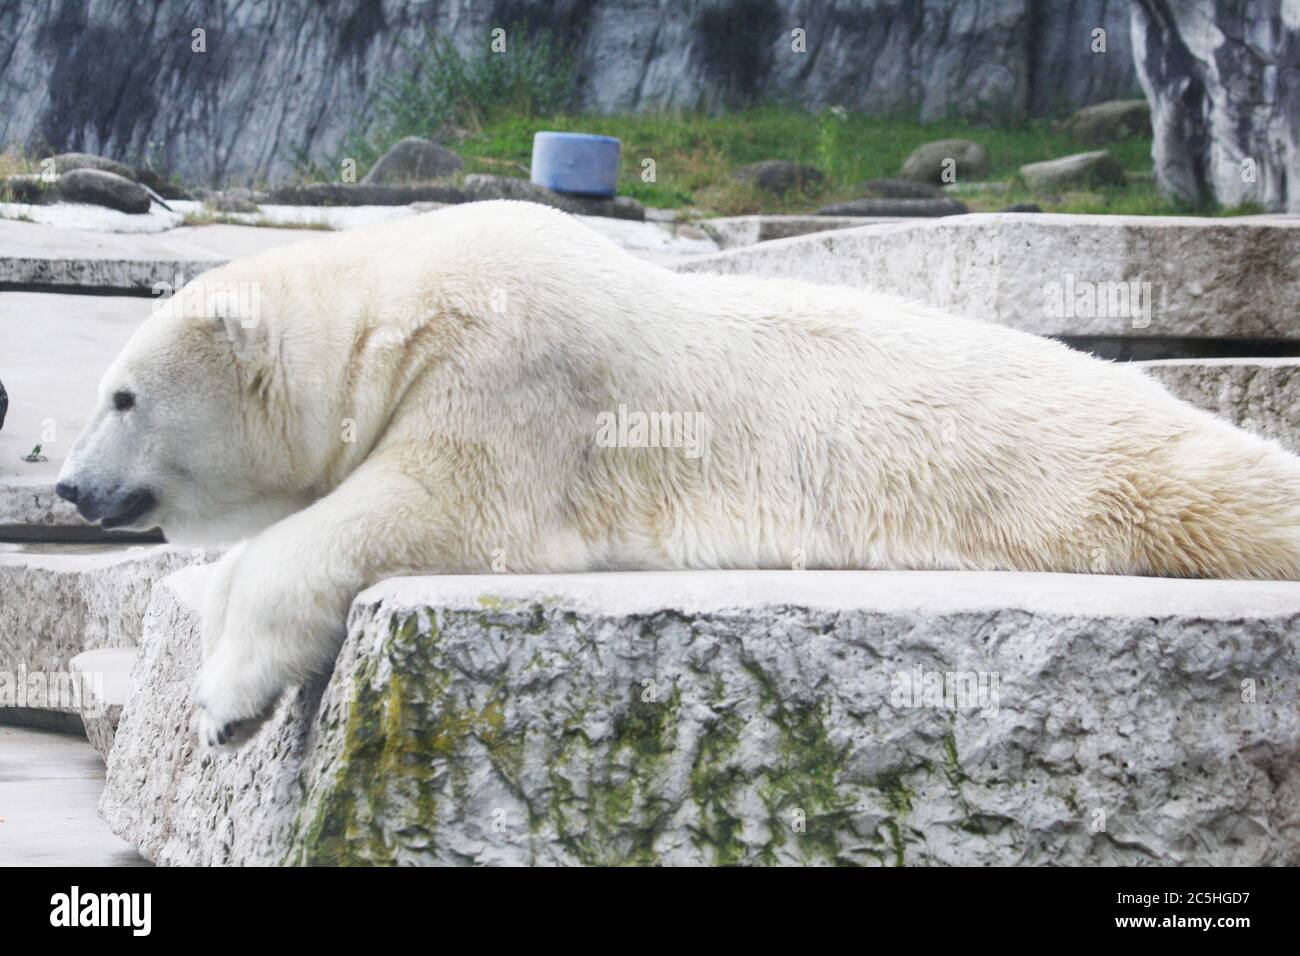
246,335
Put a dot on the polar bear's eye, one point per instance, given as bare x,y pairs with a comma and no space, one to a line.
122,400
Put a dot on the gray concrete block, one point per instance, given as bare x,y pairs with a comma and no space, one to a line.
744,717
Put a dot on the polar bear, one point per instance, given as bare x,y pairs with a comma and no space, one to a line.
495,386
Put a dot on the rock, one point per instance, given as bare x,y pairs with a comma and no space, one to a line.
101,188
928,162
364,194
67,162
480,186
1261,395
103,676
1022,207
275,94
778,175
743,717
413,160
1204,278
1098,168
1104,123
895,207
1223,80
899,189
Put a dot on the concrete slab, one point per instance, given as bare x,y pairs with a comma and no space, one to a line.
43,256
51,256
732,232
61,600
743,718
1260,395
1060,275
49,786
103,676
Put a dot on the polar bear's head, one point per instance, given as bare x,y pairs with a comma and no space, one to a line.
189,430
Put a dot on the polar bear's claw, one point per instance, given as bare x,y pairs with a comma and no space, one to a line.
230,735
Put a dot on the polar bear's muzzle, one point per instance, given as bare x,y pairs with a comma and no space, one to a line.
113,508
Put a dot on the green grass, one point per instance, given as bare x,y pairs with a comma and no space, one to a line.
694,156
489,104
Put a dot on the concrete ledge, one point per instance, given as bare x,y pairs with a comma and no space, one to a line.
1208,278
61,601
744,717
1260,395
735,231
103,676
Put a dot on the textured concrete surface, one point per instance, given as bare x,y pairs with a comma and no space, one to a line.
61,600
1058,275
49,784
1261,395
741,717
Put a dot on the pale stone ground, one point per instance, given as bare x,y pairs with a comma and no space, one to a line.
49,786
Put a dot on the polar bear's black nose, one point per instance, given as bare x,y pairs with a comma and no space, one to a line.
66,491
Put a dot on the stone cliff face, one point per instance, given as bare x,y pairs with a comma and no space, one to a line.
283,80
1224,84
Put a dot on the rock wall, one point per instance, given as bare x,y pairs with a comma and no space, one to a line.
1223,80
286,79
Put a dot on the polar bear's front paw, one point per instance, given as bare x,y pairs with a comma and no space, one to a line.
214,733
231,707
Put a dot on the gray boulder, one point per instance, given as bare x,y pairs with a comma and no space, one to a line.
778,175
1223,80
794,717
413,160
101,188
926,163
899,189
67,162
1105,123
1081,170
364,194
895,207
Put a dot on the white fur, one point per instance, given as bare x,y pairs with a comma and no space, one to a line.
476,348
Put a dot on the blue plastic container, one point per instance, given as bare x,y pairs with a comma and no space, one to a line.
576,163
